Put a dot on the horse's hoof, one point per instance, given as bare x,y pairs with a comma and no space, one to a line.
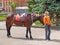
31,38
9,36
27,37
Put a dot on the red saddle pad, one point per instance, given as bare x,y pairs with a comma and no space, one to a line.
17,17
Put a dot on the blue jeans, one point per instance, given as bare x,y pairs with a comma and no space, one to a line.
47,32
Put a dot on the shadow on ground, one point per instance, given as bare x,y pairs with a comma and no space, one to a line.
2,29
36,39
52,27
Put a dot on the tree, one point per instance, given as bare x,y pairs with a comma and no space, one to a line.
42,5
13,6
55,8
36,6
39,6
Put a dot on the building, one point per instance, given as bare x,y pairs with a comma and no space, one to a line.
4,4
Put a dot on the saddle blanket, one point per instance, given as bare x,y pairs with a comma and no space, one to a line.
17,17
20,17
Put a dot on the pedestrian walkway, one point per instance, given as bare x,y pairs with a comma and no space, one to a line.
18,36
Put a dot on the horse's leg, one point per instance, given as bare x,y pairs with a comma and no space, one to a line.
27,33
8,27
29,29
8,31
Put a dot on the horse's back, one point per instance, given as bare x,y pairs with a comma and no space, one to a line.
18,17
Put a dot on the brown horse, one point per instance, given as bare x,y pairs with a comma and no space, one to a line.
22,21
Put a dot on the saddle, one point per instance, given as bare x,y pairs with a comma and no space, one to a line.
20,17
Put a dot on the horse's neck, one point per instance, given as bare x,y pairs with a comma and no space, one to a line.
35,19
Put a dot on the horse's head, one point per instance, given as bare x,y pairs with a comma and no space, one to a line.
29,15
41,19
37,17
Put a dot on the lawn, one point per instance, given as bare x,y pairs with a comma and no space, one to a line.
2,17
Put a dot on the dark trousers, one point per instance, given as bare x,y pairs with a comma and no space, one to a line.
47,32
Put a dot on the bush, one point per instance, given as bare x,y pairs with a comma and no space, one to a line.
37,23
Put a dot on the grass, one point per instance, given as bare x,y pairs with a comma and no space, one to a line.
37,23
2,17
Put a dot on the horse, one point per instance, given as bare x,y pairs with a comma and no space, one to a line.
25,21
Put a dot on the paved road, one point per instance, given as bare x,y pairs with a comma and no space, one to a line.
18,36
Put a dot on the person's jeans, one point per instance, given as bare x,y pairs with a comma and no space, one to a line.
47,32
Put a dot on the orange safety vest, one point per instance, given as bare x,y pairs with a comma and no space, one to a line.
47,20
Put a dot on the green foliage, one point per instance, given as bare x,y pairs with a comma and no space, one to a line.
55,7
3,17
39,6
36,6
37,23
13,5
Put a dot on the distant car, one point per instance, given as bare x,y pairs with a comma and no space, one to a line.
21,10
